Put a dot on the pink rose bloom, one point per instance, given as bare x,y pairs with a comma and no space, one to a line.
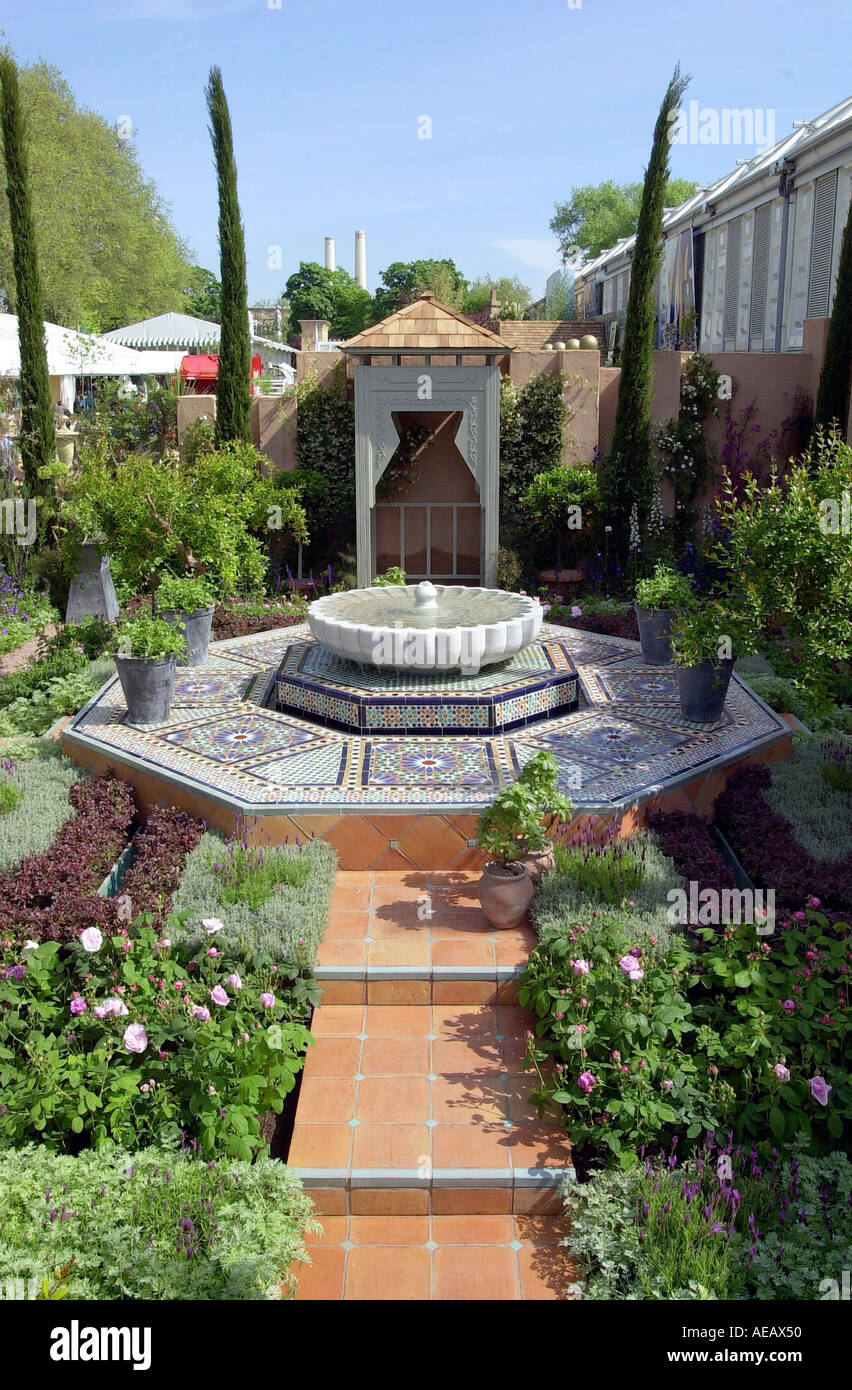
789,1005
781,1071
576,611
667,1085
200,1013
78,1006
212,925
586,1081
219,996
581,967
235,982
92,939
135,1038
820,1089
267,1000
99,1011
213,951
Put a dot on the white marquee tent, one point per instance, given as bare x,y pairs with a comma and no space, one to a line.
71,354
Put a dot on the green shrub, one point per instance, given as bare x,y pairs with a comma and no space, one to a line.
559,507
149,638
667,588
129,1039
154,1225
24,613
34,714
819,814
774,1228
560,898
532,418
11,795
393,575
510,571
185,594
288,925
30,827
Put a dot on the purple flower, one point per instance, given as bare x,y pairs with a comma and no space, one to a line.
781,1072
200,1013
581,967
267,1000
789,1005
218,995
135,1038
586,1081
78,1006
820,1089
235,982
15,972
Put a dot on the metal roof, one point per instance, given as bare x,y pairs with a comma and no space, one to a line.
805,134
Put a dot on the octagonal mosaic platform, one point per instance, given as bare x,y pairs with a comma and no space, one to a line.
625,741
538,683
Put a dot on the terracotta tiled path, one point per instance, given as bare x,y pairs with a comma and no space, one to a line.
431,1173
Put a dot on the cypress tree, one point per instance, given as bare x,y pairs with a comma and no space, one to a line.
836,375
628,476
233,403
38,441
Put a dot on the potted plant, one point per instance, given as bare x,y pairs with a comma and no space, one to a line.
658,602
508,830
705,638
145,649
541,776
187,602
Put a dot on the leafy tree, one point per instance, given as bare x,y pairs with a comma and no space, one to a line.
109,254
834,379
403,281
628,473
597,214
313,292
204,295
513,296
233,404
38,444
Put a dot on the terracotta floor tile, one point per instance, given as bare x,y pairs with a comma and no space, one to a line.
333,1057
472,1230
358,878
455,895
377,1273
398,927
389,1230
350,896
400,893
463,1201
479,951
541,1230
393,1100
470,1146
546,1272
479,1056
344,925
475,1273
520,1108
333,1232
320,1146
395,1057
539,1145
389,1201
345,952
462,1022
412,949
391,1146
338,1021
449,925
512,952
322,1279
394,992
397,1021
326,1100
468,1099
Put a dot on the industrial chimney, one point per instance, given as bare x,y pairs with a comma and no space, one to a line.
330,263
361,259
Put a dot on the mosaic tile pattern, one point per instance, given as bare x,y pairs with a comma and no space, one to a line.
627,739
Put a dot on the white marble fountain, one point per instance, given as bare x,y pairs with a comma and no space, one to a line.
425,627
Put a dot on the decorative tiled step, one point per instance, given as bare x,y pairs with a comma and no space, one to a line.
417,1109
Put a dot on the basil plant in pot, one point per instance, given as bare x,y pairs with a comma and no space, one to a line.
706,639
659,600
145,650
188,603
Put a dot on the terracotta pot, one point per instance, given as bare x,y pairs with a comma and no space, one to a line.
539,862
505,893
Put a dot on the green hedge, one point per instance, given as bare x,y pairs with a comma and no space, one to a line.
819,814
276,927
31,827
124,1220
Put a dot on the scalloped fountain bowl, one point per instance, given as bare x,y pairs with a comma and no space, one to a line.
425,627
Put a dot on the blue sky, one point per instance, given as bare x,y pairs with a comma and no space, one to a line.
525,100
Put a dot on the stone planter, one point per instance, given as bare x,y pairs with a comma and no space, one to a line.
655,626
92,592
196,628
505,893
703,690
539,862
147,686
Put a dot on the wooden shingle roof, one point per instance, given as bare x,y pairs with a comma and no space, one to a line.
426,326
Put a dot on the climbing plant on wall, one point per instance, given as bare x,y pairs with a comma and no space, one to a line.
685,456
532,418
325,442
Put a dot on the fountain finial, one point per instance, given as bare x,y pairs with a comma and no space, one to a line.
425,595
